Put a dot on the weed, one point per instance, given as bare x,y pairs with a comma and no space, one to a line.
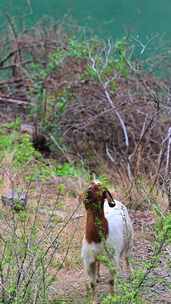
68,169
77,48
24,151
18,146
104,180
14,125
40,171
22,264
55,59
89,73
121,64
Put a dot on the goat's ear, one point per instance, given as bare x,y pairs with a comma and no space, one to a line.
109,197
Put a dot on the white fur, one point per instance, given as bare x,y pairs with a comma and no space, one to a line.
120,236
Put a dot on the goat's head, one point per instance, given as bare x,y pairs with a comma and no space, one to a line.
95,196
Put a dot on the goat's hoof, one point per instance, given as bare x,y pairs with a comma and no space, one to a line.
98,279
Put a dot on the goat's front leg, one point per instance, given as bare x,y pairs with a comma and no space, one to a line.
91,272
115,269
98,271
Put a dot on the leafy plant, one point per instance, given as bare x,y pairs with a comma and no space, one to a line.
68,169
40,171
14,125
77,48
18,145
121,64
24,151
104,180
55,59
89,73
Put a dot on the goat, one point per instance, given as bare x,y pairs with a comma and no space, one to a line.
108,225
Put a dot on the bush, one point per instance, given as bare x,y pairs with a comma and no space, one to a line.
23,272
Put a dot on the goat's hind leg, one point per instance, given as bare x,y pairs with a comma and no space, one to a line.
115,272
129,268
98,272
91,272
115,268
128,265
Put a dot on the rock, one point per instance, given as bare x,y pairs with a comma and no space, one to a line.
15,200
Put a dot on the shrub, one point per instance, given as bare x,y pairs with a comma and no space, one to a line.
19,147
68,169
24,151
22,263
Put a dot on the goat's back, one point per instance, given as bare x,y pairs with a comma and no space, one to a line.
120,227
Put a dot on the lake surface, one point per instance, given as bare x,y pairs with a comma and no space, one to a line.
111,18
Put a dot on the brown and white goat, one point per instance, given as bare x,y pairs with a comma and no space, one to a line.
108,226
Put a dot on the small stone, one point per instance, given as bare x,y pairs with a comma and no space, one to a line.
15,200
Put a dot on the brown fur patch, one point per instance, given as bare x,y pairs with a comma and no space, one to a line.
96,227
96,223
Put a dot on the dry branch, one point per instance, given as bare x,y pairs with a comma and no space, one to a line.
14,101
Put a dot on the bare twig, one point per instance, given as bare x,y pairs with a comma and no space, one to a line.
14,101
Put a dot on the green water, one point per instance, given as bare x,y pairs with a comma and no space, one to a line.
106,17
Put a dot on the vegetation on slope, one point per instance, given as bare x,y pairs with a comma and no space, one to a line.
99,113
90,100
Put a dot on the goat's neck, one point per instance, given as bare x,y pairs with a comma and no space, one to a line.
96,226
